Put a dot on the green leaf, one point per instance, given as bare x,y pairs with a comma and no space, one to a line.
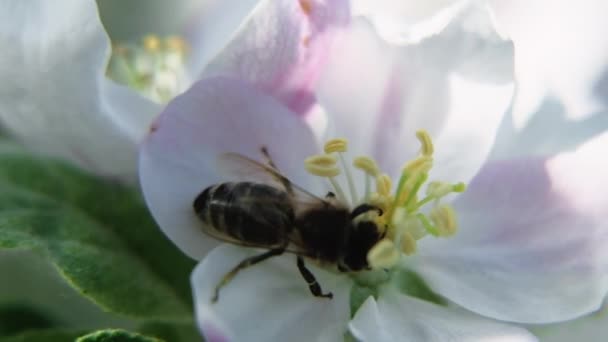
43,336
97,232
116,335
16,318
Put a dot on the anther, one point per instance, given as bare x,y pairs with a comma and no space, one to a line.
151,43
367,164
322,165
336,145
323,160
426,142
384,254
322,171
177,44
407,243
444,218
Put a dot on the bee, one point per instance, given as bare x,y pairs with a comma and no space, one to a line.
282,217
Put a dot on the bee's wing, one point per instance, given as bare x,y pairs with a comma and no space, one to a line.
246,169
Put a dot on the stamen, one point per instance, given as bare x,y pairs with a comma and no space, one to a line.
367,164
440,189
402,223
383,185
155,67
370,168
444,218
336,145
324,165
349,180
383,255
339,146
407,244
151,43
426,143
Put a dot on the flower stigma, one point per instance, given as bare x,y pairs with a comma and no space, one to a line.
155,68
407,215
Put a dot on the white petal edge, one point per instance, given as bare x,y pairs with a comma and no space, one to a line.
396,317
55,97
552,59
404,21
178,159
282,47
213,25
269,301
460,98
532,245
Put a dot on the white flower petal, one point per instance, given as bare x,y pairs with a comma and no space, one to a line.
592,327
548,131
561,52
458,97
396,317
282,48
269,301
532,247
215,116
406,21
54,95
213,25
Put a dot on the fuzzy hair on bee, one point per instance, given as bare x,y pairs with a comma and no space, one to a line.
270,212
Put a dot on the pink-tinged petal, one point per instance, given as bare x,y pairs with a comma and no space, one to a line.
406,21
282,48
459,97
396,317
562,51
215,116
269,301
532,244
54,95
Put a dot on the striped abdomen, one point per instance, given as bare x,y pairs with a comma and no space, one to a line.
249,212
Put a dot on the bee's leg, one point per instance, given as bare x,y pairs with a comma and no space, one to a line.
283,181
244,264
314,287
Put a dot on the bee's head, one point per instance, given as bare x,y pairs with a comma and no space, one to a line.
363,234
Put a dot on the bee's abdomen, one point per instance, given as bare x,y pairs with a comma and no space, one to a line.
249,212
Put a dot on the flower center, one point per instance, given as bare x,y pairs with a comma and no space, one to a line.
155,68
407,216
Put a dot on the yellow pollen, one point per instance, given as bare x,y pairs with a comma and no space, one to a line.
322,171
177,44
151,43
367,164
405,217
155,67
336,145
444,218
324,160
383,255
426,143
408,244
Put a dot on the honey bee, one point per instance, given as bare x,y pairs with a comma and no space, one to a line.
280,216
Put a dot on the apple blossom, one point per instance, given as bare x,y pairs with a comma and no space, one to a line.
529,247
63,98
